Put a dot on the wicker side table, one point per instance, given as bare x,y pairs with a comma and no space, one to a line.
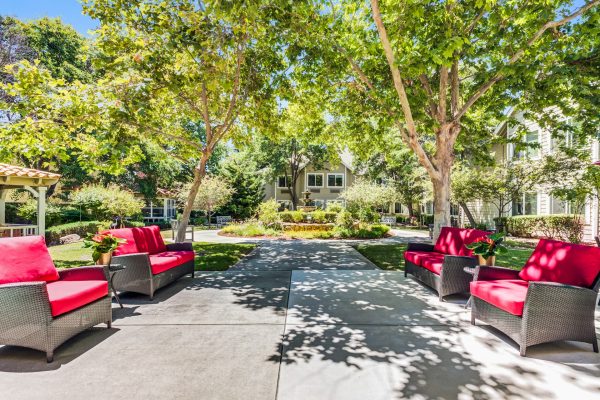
470,271
113,269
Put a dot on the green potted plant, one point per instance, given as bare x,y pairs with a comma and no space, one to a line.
102,245
487,247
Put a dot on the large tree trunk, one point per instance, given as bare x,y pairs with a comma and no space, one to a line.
411,210
199,174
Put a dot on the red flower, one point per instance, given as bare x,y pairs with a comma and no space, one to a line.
98,238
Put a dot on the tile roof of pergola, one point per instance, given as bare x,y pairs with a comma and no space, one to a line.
13,175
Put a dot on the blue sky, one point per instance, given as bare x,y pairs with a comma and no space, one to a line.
68,10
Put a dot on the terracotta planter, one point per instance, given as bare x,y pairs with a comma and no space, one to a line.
104,259
491,261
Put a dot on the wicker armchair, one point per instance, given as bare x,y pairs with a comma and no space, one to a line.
41,307
553,298
441,266
149,263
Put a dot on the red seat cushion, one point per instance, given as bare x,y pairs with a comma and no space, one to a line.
154,241
571,264
169,259
67,296
507,294
25,259
135,241
433,263
452,240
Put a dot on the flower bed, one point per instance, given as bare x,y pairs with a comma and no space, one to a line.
303,227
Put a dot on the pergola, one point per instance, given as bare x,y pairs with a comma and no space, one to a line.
34,181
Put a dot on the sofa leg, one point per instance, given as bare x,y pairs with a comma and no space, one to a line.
523,350
49,356
108,324
472,318
595,344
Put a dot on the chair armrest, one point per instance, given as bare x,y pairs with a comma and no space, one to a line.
85,273
22,303
182,246
487,273
559,301
419,247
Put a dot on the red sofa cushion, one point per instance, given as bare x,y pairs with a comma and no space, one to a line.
67,296
154,241
416,257
506,294
567,263
135,241
433,263
166,260
452,240
25,259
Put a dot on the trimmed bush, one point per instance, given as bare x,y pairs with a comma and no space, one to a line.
82,228
561,226
249,229
334,208
268,213
402,219
345,219
375,231
307,227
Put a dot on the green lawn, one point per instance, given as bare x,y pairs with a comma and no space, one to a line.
214,256
390,256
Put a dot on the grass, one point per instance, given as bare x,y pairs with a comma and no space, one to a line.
214,256
391,256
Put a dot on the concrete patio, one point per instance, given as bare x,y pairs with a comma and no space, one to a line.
298,320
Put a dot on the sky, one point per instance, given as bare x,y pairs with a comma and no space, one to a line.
68,10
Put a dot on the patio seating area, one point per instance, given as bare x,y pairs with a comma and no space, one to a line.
299,320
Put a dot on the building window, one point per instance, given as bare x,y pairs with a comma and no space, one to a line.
338,202
314,180
282,182
398,208
532,138
525,205
319,203
335,180
558,206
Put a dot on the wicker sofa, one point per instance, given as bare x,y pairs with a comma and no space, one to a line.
552,298
42,307
149,263
441,266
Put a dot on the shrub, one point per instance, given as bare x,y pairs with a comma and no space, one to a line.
107,202
427,219
402,219
134,224
297,216
318,217
315,234
53,234
334,208
562,227
345,219
375,231
249,229
307,227
28,211
268,213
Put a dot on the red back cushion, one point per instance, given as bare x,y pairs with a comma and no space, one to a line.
132,237
452,240
571,264
26,259
153,239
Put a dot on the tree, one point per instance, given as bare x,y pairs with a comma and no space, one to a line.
241,172
213,193
178,64
106,203
363,197
453,65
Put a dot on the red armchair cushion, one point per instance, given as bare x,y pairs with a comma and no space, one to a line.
166,260
506,294
153,239
567,263
67,296
25,259
452,240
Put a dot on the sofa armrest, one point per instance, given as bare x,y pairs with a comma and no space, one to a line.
557,303
419,247
136,264
182,246
488,273
459,261
85,273
22,303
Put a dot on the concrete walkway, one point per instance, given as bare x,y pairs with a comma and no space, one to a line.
298,320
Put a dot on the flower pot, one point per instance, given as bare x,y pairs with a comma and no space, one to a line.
104,258
487,261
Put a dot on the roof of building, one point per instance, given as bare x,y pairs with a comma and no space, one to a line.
14,174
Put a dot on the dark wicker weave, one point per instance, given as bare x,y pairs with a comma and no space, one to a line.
26,319
552,312
453,279
137,276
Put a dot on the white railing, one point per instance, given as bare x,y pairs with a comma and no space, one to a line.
18,230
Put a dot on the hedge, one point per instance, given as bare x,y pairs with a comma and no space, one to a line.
307,227
562,227
81,228
315,216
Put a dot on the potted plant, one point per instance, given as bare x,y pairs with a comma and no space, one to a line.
102,245
487,247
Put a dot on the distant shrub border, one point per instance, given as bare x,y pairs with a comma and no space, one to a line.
308,231
563,227
82,228
318,216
